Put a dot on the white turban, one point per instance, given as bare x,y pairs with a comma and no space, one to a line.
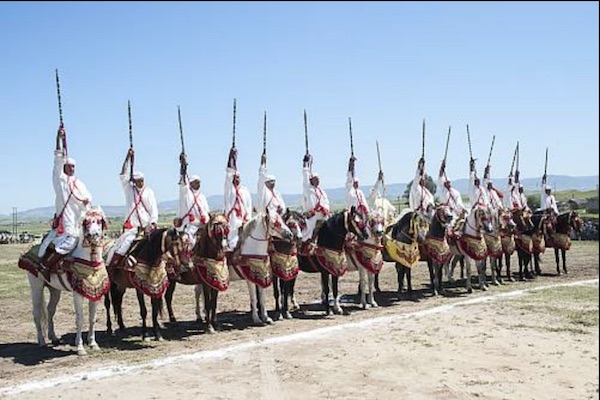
138,175
269,177
70,161
548,187
194,178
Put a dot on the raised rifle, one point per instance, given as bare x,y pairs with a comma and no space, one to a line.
60,114
265,135
184,166
545,166
351,141
305,133
130,140
380,170
233,140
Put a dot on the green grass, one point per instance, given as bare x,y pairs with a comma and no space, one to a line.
13,282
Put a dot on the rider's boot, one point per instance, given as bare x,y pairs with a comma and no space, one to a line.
49,260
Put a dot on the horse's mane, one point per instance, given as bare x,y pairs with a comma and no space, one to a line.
250,226
204,241
402,222
150,248
334,220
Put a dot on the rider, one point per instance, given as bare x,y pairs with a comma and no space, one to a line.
477,194
268,196
420,198
494,195
315,203
71,202
379,202
193,207
238,202
451,197
354,195
142,210
547,200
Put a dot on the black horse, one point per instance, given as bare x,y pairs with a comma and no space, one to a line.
435,249
560,239
144,269
208,270
329,257
284,263
528,225
544,222
509,223
402,245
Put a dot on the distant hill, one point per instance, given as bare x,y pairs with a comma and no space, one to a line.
337,195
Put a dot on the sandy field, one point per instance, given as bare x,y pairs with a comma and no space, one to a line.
521,340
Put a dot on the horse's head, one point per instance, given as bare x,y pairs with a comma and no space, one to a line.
296,222
443,215
276,226
94,225
171,244
420,225
356,224
505,221
376,223
522,217
483,219
217,229
575,221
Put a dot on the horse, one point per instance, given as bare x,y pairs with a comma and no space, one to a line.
284,264
251,261
401,245
82,272
435,249
560,239
544,222
471,245
329,256
507,227
503,224
365,256
530,241
144,269
208,272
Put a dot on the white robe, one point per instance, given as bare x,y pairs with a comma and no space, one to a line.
419,197
314,201
451,197
477,194
238,207
380,203
193,210
355,196
268,198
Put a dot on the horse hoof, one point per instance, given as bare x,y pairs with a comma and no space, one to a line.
374,305
287,315
81,352
55,342
483,287
268,321
470,290
279,317
496,283
511,279
172,320
210,330
338,311
565,271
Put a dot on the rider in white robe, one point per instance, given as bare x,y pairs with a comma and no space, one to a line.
315,203
420,198
354,194
237,199
379,202
193,211
268,196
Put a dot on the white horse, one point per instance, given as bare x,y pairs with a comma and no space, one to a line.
252,262
366,257
471,244
82,272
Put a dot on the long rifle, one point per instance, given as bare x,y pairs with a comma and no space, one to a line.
351,141
447,143
265,135
512,165
130,140
60,114
183,160
469,140
545,165
517,166
305,133
491,148
380,170
233,140
423,141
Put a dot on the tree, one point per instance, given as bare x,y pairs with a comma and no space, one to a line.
533,201
429,184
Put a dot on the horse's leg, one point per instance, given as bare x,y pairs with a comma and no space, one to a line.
253,306
52,304
143,314
157,306
91,338
276,296
408,272
78,304
376,283
40,315
431,277
536,261
325,291
371,277
169,300
199,289
109,330
337,308
361,285
496,279
508,274
564,258
206,291
214,295
400,274
285,291
264,317
292,285
481,266
117,293
451,266
467,262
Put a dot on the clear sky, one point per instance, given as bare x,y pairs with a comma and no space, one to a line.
523,71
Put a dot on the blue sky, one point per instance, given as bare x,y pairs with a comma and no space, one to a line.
523,71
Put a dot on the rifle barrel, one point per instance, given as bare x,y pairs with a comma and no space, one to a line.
491,148
469,140
265,134
180,130
60,115
234,110
305,133
351,141
447,143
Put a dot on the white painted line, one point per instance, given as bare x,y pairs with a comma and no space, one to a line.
221,353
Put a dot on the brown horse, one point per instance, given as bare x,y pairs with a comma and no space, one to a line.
144,269
435,250
209,272
560,239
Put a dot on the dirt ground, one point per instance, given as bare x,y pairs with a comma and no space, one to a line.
542,344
